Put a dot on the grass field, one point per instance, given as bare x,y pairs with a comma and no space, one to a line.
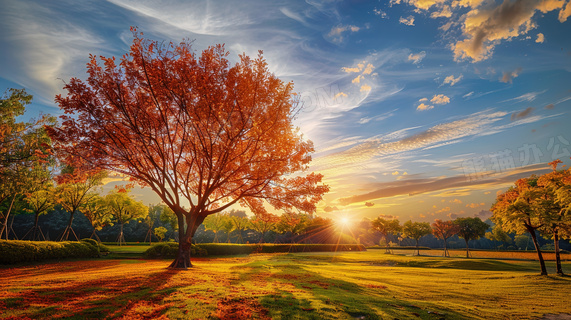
353,285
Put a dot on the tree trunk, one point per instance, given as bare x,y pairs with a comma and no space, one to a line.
417,249
538,249
387,245
5,224
121,238
68,229
36,218
557,256
446,254
186,233
467,249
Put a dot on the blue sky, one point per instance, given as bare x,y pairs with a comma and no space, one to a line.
418,109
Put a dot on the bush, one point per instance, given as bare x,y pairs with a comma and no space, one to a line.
170,250
17,251
102,248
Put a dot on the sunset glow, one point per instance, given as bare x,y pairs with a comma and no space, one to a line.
418,110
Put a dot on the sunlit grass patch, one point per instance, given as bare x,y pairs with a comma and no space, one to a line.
351,285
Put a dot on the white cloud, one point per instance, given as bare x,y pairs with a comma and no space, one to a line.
440,99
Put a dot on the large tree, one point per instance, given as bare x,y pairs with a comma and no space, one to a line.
444,230
386,227
518,210
194,129
416,230
555,202
96,211
471,229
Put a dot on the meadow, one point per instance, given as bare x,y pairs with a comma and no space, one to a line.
348,285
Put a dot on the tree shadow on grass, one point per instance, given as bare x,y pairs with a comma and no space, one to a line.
303,294
108,297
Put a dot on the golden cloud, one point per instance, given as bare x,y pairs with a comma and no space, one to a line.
451,80
440,99
416,58
540,38
423,107
365,88
409,21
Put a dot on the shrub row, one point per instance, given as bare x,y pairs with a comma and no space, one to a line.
169,250
403,248
18,251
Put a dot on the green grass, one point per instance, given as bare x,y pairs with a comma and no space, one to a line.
347,285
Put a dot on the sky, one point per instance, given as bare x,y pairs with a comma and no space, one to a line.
418,109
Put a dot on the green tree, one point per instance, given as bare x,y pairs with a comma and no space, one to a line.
499,235
386,227
240,223
123,209
521,241
96,211
216,223
160,233
39,202
471,229
25,152
416,230
518,210
74,191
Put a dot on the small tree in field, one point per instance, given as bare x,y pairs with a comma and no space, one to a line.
263,223
386,227
216,223
416,230
498,234
123,209
96,211
194,129
471,229
160,233
444,230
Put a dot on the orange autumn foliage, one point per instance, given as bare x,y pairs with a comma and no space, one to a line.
194,129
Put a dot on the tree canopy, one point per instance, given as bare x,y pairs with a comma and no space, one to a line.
193,128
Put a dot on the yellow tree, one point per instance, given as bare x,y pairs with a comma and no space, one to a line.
39,202
263,223
96,211
519,210
74,191
555,202
124,208
198,131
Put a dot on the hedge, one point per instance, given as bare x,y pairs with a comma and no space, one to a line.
18,251
169,250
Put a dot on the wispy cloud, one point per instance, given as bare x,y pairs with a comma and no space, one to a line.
409,21
416,58
451,80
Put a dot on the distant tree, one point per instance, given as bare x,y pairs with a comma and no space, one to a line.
444,230
39,202
292,223
263,223
96,211
470,229
517,210
216,223
240,222
74,191
155,212
386,227
160,233
416,230
194,129
521,241
499,235
123,209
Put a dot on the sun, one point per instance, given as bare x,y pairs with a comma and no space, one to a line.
344,221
